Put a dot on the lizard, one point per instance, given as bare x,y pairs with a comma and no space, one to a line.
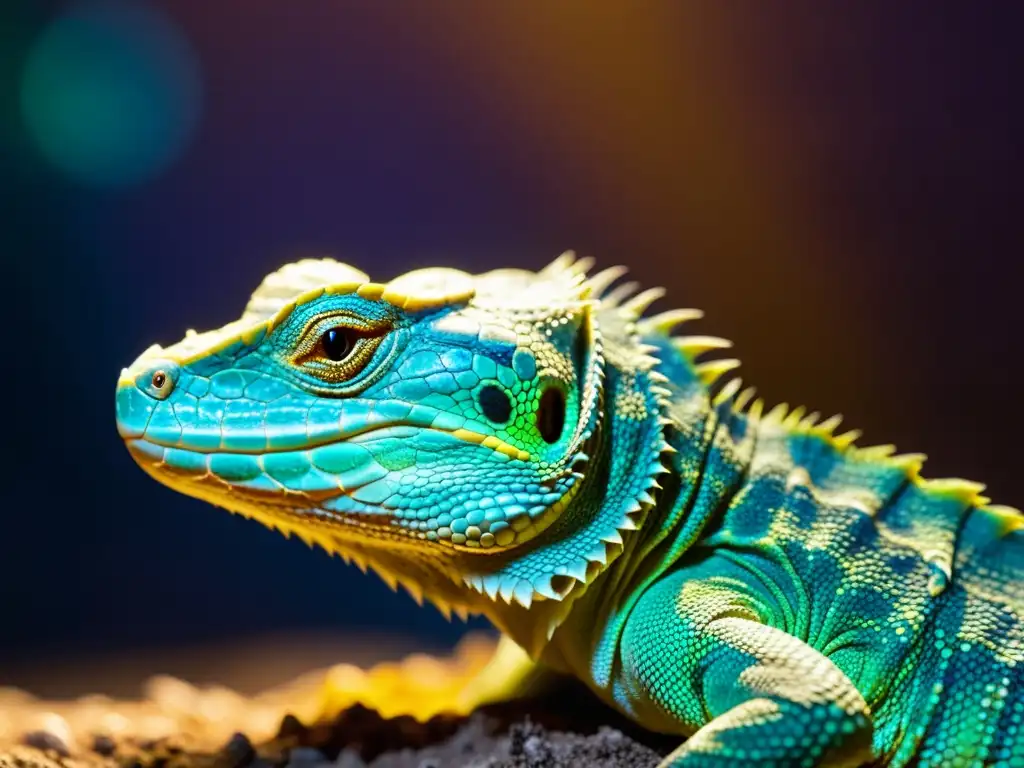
538,448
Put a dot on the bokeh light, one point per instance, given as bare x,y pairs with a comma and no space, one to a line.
111,93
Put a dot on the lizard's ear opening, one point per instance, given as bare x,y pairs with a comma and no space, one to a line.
551,414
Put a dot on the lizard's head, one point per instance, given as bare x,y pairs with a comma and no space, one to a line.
413,425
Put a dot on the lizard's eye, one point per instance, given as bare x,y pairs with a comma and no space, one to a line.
338,343
337,352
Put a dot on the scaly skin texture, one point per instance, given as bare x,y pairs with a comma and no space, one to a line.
531,447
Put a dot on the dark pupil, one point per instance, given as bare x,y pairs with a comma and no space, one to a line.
551,414
337,343
495,404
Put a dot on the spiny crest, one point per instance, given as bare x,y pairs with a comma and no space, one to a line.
630,306
626,305
796,421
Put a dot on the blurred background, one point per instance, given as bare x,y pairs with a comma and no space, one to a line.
837,187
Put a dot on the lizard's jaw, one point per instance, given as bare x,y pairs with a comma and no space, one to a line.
369,541
309,495
350,490
371,538
291,512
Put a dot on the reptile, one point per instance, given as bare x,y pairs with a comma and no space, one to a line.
538,448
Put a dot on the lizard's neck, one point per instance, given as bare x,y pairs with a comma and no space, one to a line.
528,592
628,453
628,456
712,448
663,462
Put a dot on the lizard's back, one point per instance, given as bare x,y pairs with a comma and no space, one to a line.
968,693
914,588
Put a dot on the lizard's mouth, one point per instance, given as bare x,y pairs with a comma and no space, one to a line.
317,470
259,440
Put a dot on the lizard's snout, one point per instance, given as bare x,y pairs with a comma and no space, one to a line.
138,390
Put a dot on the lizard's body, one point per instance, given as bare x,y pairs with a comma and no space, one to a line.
751,581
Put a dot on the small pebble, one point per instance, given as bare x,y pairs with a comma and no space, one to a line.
47,742
537,750
305,756
290,726
349,758
103,745
238,752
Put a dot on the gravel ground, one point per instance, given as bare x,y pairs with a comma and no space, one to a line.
566,728
175,724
